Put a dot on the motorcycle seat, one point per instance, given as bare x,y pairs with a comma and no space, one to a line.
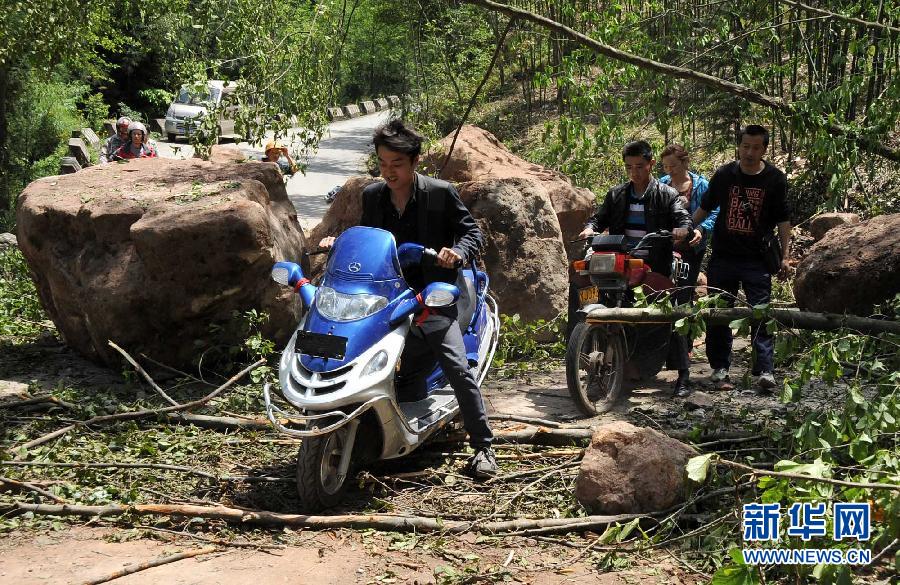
466,303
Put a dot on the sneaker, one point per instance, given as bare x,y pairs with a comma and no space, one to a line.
483,464
766,381
719,375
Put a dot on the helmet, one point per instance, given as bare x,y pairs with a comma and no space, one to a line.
123,121
273,144
134,127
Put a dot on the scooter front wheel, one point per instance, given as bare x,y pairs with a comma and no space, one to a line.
595,367
320,482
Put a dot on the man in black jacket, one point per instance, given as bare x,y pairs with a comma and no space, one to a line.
640,206
428,211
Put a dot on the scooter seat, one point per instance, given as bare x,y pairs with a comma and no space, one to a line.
466,303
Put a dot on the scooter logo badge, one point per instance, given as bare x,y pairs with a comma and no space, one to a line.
354,267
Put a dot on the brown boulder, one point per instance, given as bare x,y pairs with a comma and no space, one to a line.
478,155
628,469
852,268
523,252
152,253
820,224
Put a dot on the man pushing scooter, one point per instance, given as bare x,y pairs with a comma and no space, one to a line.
419,209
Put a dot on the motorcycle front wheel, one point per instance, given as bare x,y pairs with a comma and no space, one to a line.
320,483
595,367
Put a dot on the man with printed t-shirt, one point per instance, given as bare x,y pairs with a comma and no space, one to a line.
752,197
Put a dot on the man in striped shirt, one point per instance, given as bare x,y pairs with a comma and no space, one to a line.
635,208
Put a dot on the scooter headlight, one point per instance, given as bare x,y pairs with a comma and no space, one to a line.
376,364
338,306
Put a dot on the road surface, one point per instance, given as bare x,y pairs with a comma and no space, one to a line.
342,153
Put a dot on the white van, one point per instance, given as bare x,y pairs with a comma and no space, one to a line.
190,105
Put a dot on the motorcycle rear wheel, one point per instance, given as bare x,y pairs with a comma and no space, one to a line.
595,367
319,483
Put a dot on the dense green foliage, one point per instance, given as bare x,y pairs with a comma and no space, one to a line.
21,315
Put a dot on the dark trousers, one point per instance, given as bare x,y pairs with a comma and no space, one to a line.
443,340
728,274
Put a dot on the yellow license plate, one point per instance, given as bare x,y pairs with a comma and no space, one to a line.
588,295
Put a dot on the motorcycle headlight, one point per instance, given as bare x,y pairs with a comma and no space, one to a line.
343,307
376,364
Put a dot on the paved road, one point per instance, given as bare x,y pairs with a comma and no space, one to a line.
342,154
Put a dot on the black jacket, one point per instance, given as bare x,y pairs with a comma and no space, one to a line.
443,221
662,210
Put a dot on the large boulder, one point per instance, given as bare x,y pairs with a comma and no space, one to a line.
628,469
157,255
852,268
820,224
523,252
478,155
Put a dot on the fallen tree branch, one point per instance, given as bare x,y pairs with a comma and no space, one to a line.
161,466
130,570
376,521
145,375
742,91
220,423
800,476
786,317
526,419
844,17
535,436
136,414
26,486
38,400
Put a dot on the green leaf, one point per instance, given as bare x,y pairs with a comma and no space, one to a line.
698,466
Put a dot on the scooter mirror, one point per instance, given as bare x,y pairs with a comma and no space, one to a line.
440,294
286,273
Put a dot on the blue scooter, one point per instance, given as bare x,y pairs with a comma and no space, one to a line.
339,370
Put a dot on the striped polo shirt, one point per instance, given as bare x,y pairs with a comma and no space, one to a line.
635,224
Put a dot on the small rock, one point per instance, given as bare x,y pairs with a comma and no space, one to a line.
699,400
820,224
628,469
8,240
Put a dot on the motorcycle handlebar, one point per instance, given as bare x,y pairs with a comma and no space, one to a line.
430,256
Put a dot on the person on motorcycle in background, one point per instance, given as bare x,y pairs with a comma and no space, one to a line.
114,142
635,208
419,209
278,154
138,145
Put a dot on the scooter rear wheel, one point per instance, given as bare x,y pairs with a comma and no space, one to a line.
595,367
319,482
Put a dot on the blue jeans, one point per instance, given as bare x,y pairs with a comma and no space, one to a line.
728,274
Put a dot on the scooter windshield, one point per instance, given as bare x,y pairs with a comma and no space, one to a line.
364,254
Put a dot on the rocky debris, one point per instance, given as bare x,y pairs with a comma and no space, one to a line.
226,153
523,252
8,240
851,268
159,254
12,391
628,469
478,155
820,224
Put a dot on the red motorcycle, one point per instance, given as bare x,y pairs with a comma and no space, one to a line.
601,351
